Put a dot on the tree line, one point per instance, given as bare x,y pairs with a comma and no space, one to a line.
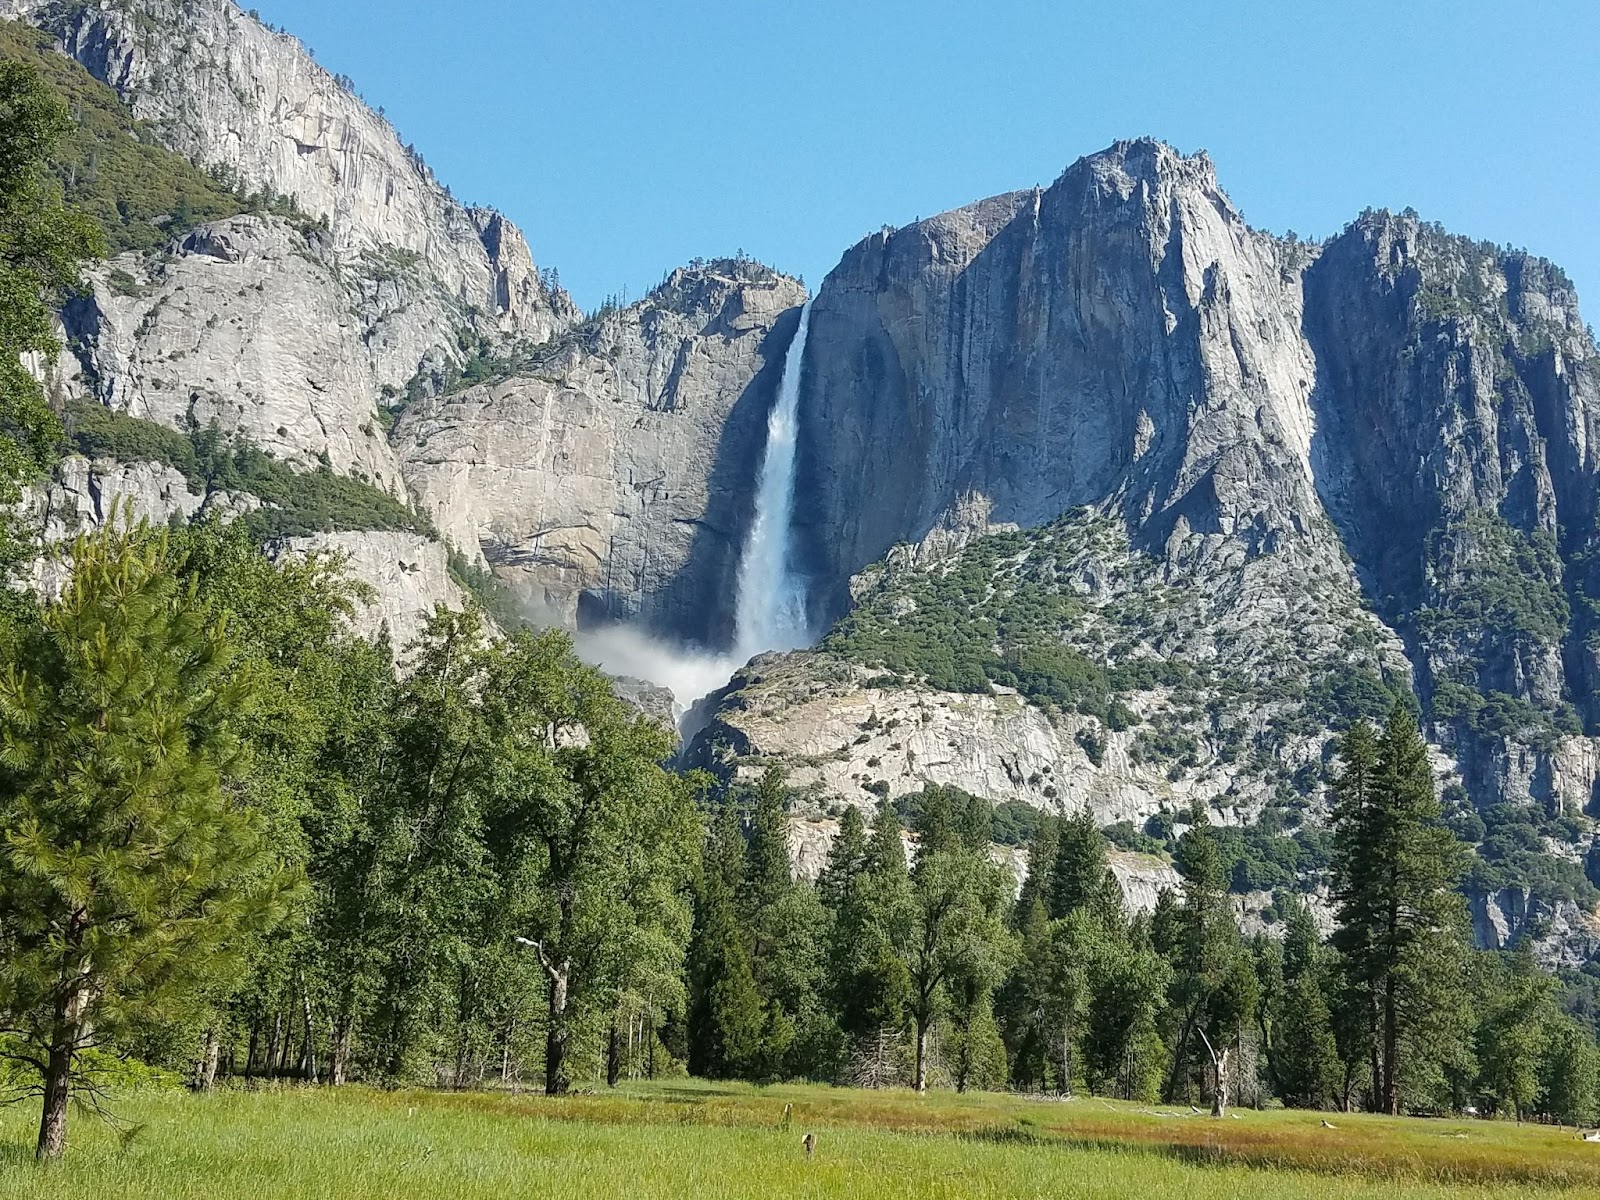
239,844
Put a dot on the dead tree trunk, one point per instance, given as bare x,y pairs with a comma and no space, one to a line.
205,1067
1219,1076
341,1052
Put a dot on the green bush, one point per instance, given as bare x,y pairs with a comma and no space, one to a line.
99,432
110,165
294,503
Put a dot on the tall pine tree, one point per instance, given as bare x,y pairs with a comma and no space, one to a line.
130,873
1400,933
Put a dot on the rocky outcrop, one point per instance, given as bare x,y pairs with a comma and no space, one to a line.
250,104
611,478
257,325
1562,933
1120,334
407,574
842,734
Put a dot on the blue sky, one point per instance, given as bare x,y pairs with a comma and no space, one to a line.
627,137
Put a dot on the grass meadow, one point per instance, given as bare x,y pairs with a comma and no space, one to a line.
709,1141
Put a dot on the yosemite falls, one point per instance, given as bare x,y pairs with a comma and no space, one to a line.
772,600
770,609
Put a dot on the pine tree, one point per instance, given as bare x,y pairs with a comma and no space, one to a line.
1303,1054
1079,876
1214,984
1042,850
130,876
1400,924
847,856
767,879
871,935
1023,1006
726,1019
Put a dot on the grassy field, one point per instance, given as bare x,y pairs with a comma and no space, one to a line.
706,1141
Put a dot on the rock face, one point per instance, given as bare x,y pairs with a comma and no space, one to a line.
359,283
612,477
1121,333
291,329
1254,411
1564,935
250,103
206,335
407,573
841,737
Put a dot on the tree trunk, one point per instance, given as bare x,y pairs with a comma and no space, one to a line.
922,1054
65,1032
556,1082
1066,1057
274,1045
205,1067
1219,1094
613,1055
1375,1103
341,1052
1391,1051
250,1054
57,1085
311,1033
650,1045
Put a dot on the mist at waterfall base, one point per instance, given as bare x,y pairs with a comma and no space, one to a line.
771,603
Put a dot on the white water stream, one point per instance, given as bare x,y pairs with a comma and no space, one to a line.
770,611
772,599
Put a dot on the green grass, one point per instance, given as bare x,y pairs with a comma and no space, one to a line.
693,1139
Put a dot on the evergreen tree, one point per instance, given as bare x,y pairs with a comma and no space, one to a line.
1079,876
598,835
130,874
1400,924
871,936
1123,1051
1303,1053
847,856
1214,985
1043,847
767,879
726,1018
958,945
1024,1003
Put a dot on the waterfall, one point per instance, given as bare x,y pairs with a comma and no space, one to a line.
771,613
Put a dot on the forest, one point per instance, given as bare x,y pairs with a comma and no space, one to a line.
241,846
